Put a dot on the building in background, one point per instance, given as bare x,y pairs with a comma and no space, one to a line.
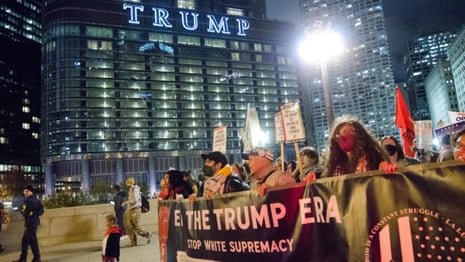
133,88
457,61
440,92
20,38
423,53
361,79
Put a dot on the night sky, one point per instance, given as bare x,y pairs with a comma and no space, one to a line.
405,20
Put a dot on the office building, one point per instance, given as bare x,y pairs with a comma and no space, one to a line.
132,88
361,78
423,53
457,61
440,92
20,37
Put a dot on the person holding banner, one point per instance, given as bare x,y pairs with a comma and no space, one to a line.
352,149
267,175
396,153
459,145
219,176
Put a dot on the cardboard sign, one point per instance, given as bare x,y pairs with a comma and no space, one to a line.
456,117
293,126
220,139
424,134
278,128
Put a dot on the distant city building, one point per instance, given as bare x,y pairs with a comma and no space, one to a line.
20,37
423,53
440,92
361,79
131,89
457,61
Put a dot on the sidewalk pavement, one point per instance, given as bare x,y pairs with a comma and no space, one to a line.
91,252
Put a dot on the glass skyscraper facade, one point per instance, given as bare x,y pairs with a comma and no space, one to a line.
423,53
132,88
361,78
20,38
440,93
457,60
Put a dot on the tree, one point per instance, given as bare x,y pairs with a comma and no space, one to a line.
13,182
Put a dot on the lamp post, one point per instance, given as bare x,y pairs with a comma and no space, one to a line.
319,47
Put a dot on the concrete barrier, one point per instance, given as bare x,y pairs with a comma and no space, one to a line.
70,224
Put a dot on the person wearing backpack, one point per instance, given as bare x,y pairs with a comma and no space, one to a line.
31,209
132,213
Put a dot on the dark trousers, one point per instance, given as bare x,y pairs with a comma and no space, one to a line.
30,239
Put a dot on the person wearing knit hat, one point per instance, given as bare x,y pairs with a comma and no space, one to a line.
132,213
265,173
31,210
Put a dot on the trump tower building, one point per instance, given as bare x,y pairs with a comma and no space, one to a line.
132,88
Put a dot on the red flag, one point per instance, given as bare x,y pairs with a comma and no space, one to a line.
405,122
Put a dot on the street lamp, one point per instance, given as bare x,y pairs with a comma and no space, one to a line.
319,47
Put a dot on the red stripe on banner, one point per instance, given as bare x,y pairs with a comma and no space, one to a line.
405,234
385,245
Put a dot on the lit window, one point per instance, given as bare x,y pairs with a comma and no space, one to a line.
35,119
26,109
35,135
235,11
26,126
186,4
3,140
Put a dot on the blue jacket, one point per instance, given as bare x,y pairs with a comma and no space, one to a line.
31,210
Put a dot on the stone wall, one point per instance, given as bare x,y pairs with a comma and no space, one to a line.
70,224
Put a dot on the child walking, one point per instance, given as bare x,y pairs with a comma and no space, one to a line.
110,243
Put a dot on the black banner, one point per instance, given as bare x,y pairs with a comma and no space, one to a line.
415,214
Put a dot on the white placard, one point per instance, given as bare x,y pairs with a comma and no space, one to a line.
220,139
278,128
456,117
293,126
424,134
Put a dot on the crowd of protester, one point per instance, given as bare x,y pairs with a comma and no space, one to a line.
352,149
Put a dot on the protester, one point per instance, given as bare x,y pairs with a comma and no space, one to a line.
219,179
177,185
267,175
132,213
2,215
118,199
352,149
423,155
111,238
291,166
164,187
201,182
31,210
459,145
309,160
395,152
238,169
190,181
446,151
279,163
